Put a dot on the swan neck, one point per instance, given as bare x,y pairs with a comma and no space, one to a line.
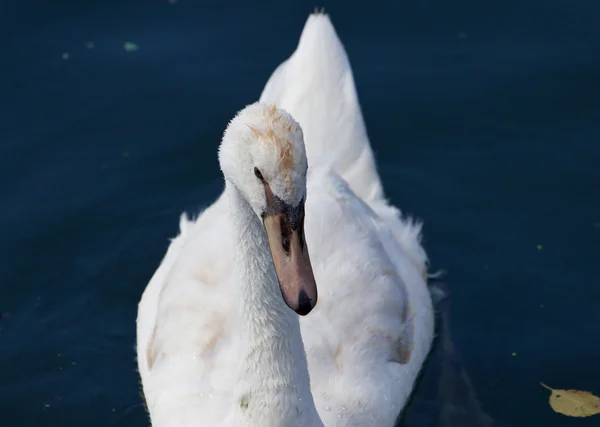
260,301
273,373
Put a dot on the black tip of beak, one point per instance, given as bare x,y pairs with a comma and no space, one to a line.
305,305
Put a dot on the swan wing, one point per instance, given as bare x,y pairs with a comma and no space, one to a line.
186,342
372,328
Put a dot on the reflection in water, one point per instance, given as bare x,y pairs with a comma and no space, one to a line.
445,396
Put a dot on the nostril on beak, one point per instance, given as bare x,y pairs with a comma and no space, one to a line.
305,305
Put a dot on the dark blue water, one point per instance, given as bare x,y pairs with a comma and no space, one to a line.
485,118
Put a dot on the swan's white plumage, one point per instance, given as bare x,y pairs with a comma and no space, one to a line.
316,86
372,327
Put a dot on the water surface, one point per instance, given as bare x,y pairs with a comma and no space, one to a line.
485,119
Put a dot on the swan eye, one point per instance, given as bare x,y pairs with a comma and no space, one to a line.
285,242
285,235
258,174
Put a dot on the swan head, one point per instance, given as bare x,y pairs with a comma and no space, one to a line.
262,154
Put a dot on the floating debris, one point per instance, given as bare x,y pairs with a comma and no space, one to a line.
90,45
540,247
573,403
130,46
514,353
65,56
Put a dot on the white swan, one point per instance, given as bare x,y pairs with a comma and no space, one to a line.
316,86
218,346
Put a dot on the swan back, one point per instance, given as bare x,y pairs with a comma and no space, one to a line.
316,86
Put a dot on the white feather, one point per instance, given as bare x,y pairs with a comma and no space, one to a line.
316,86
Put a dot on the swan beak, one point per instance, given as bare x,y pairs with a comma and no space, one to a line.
291,260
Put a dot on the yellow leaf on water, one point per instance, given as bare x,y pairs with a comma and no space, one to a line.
574,403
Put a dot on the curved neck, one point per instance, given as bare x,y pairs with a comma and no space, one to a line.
273,386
